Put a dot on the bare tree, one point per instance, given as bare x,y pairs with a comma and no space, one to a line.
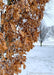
43,31
51,32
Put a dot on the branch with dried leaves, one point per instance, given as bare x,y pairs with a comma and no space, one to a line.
18,32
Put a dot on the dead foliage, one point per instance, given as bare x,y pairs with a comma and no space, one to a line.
19,31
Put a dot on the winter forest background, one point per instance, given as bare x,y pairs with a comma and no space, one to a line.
40,60
47,25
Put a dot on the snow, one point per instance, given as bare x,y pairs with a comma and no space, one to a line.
40,61
48,42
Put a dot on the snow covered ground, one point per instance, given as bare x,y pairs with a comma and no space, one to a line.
46,42
40,61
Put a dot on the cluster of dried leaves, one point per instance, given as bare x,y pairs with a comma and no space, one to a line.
19,30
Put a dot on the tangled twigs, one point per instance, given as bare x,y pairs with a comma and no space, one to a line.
19,30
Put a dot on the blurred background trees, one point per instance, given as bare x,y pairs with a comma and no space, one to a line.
43,32
47,24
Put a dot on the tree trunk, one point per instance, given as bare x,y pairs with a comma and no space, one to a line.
41,43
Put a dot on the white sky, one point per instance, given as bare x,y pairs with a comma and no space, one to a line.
5,1
49,13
